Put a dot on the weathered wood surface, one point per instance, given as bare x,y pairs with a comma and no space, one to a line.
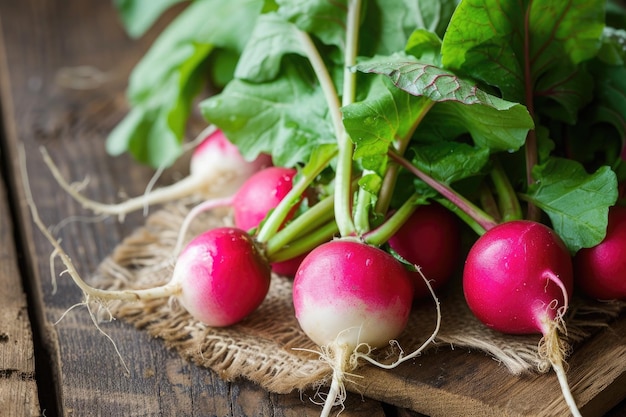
18,389
42,38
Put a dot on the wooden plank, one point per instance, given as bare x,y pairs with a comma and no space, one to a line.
41,38
463,383
18,390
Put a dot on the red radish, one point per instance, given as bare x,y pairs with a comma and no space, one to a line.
258,195
524,266
431,238
600,271
216,169
518,279
348,295
219,278
289,267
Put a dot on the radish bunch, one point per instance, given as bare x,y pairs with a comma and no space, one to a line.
368,166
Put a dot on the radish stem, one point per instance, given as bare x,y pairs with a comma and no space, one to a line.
479,216
508,202
343,175
277,217
315,216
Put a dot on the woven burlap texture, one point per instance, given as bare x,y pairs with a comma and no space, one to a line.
268,347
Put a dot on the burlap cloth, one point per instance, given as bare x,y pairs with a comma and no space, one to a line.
261,348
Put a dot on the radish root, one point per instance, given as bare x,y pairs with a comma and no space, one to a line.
194,184
343,359
554,348
58,251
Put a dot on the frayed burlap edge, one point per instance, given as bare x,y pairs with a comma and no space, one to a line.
268,347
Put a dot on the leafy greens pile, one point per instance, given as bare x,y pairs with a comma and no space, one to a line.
490,100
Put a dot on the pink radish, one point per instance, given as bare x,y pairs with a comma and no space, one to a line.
258,195
600,271
518,279
216,169
431,238
220,277
350,297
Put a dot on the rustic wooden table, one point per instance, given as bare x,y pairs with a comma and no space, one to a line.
69,368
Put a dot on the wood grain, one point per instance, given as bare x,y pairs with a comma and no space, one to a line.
18,388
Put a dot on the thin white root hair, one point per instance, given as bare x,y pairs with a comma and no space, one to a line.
58,251
117,351
401,357
182,188
155,177
53,277
338,357
553,348
83,219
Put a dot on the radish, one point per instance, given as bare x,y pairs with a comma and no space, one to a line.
600,271
216,169
349,298
518,279
430,238
220,277
258,195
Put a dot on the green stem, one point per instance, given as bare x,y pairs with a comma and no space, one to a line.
309,242
277,217
391,176
325,80
389,228
508,202
311,219
485,221
361,211
488,202
343,175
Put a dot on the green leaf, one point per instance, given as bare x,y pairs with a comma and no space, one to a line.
321,18
139,15
600,135
271,39
450,161
388,24
492,122
385,116
495,41
286,117
165,82
576,202
425,46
